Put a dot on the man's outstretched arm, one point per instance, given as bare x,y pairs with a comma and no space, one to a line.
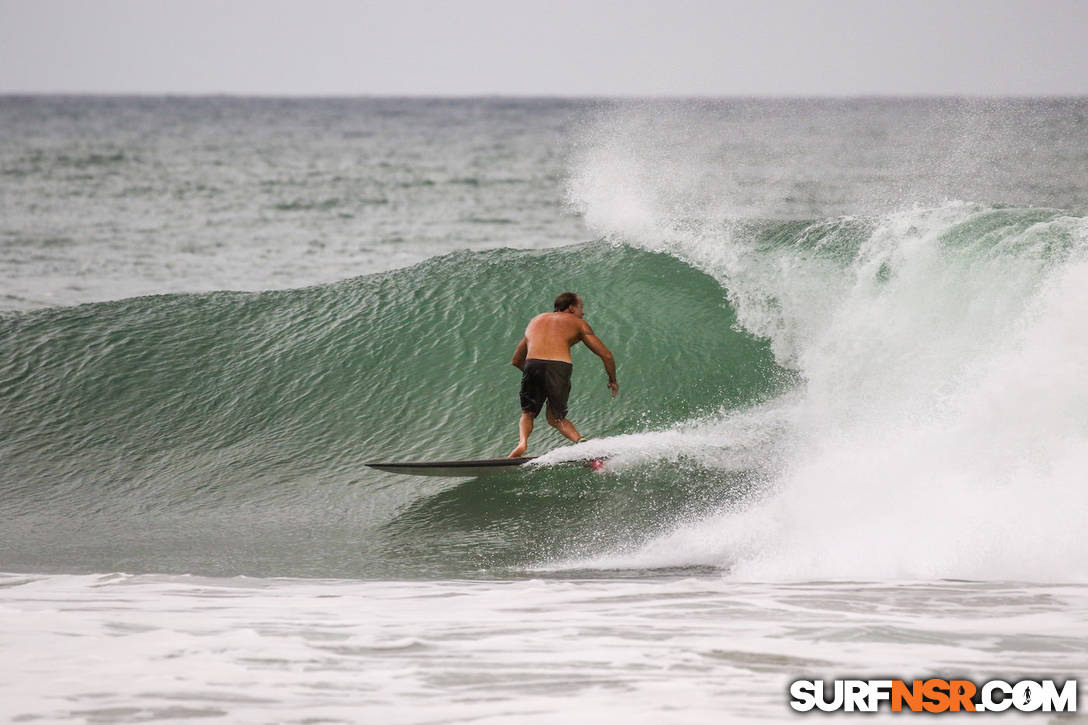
519,354
594,343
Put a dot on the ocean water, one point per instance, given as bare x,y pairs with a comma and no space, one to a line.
850,439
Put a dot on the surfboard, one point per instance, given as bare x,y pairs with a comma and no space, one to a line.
479,467
465,469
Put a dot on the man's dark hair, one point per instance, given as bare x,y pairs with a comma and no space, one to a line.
565,300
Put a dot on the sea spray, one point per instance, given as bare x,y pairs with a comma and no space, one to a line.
938,426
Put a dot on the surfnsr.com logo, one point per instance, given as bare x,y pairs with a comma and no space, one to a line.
934,695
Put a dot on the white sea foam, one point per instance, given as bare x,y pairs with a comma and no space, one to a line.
941,428
118,648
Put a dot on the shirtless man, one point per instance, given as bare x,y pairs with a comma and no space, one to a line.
543,356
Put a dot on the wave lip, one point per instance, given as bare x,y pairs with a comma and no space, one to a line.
937,427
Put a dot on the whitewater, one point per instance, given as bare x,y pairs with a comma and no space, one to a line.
850,438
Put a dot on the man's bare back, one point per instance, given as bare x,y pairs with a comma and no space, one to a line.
550,336
547,342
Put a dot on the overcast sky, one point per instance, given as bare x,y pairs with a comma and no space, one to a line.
546,47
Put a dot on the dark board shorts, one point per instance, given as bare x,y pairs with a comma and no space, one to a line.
546,380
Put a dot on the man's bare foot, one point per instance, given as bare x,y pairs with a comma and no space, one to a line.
519,451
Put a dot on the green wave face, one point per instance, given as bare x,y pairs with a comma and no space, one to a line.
251,413
782,384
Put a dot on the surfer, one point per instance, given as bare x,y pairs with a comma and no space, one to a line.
543,357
